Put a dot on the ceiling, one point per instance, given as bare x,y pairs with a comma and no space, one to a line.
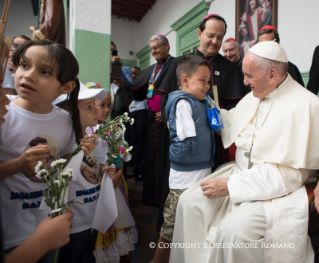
131,9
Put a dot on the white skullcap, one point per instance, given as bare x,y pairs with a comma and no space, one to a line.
269,50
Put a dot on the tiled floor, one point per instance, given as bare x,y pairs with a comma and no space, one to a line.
145,219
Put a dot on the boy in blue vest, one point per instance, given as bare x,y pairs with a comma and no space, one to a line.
192,149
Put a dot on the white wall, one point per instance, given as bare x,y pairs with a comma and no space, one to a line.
20,18
156,21
297,27
122,34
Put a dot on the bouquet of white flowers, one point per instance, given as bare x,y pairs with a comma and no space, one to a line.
55,195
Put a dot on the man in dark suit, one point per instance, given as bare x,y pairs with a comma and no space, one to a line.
313,84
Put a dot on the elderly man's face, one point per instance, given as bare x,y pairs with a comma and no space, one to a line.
231,51
159,51
212,37
255,77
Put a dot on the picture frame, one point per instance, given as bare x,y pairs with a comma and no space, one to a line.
251,16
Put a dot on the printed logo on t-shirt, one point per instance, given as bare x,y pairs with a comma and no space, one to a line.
90,169
52,155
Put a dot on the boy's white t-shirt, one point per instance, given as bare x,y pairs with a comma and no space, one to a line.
185,128
87,192
20,195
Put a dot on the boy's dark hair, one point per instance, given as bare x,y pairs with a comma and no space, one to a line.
68,69
189,65
202,25
22,36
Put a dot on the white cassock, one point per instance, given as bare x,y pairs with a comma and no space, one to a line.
267,206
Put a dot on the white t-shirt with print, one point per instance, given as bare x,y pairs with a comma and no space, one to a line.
20,197
85,192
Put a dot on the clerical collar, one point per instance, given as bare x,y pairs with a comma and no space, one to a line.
272,94
164,60
208,58
238,63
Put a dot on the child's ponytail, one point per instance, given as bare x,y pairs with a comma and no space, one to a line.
72,101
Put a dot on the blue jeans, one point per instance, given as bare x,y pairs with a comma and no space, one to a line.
80,248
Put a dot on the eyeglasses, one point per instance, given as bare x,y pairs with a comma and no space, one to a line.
157,47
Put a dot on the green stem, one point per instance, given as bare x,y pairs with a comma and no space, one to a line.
74,152
64,192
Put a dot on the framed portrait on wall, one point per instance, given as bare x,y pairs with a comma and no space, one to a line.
251,16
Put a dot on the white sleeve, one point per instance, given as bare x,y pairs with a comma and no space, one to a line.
185,126
265,181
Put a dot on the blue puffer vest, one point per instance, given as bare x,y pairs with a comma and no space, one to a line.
194,153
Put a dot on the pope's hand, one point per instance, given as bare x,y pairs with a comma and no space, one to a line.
215,188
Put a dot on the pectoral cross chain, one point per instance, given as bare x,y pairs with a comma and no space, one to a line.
247,154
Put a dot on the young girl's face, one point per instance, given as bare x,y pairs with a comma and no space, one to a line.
35,79
18,41
88,113
103,107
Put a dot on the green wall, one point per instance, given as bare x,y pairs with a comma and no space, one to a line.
92,51
305,77
128,63
185,27
144,56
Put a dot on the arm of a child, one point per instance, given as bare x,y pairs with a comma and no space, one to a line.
115,174
25,163
87,144
185,126
52,233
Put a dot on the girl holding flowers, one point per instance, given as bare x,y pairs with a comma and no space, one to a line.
86,189
45,70
119,239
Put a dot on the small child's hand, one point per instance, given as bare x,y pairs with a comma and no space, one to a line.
114,174
87,144
29,159
54,232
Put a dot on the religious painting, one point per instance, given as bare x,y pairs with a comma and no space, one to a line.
251,16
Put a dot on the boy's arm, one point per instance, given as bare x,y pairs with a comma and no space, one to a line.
185,126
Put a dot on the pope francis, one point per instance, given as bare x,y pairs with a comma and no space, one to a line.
256,208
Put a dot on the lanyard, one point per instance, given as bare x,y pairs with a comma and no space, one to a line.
153,77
